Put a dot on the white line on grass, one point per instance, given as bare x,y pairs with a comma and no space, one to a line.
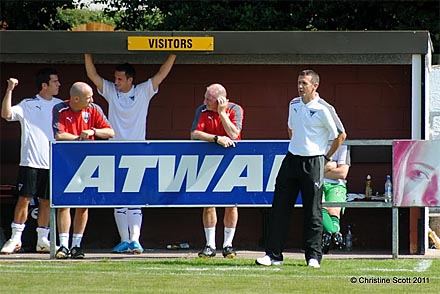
423,265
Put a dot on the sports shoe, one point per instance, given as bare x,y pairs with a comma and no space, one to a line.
313,263
326,242
62,253
229,252
207,252
43,246
338,240
122,247
77,253
267,260
135,247
11,246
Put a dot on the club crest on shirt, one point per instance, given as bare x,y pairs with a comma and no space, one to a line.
86,116
312,112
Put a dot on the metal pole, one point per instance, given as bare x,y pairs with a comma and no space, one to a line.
395,232
53,236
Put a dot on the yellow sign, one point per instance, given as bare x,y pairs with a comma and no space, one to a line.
171,43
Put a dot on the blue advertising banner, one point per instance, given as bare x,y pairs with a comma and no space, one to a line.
164,173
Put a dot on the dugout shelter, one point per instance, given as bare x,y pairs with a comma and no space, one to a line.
377,80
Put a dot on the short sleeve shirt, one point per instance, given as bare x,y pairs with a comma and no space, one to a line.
313,125
341,156
209,121
35,117
127,112
65,120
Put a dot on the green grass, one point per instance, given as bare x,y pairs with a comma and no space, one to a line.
218,276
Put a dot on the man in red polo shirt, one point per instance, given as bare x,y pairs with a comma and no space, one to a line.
219,121
77,119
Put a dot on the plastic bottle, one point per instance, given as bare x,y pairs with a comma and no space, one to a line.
348,240
184,246
388,189
368,188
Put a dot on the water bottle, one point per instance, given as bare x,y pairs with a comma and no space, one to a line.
388,189
368,188
184,246
348,240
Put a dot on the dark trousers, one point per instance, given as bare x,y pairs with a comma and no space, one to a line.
305,174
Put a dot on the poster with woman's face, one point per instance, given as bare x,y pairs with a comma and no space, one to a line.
416,170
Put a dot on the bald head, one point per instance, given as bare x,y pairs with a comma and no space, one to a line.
81,95
216,90
78,89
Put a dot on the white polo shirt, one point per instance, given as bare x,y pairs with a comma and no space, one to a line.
35,117
341,156
313,125
127,112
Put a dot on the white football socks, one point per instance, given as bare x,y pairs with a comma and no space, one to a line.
228,236
210,237
121,219
17,231
134,223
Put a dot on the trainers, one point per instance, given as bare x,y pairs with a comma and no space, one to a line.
62,253
326,242
11,246
43,246
229,252
135,247
207,252
77,253
313,262
338,240
122,247
267,260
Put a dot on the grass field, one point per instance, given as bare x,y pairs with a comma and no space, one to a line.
220,276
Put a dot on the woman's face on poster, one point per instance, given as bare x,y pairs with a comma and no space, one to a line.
422,176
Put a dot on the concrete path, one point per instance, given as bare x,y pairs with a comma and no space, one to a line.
94,255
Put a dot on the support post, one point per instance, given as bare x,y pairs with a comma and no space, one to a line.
53,234
395,232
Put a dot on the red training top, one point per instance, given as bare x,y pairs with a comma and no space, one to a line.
209,121
65,120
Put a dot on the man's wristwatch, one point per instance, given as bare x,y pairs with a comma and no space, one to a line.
215,139
327,158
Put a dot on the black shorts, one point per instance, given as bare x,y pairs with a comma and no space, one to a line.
33,182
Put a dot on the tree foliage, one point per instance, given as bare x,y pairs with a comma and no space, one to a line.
238,15
306,15
135,15
33,15
74,17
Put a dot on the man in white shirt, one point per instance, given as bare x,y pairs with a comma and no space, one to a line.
35,117
127,113
311,122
